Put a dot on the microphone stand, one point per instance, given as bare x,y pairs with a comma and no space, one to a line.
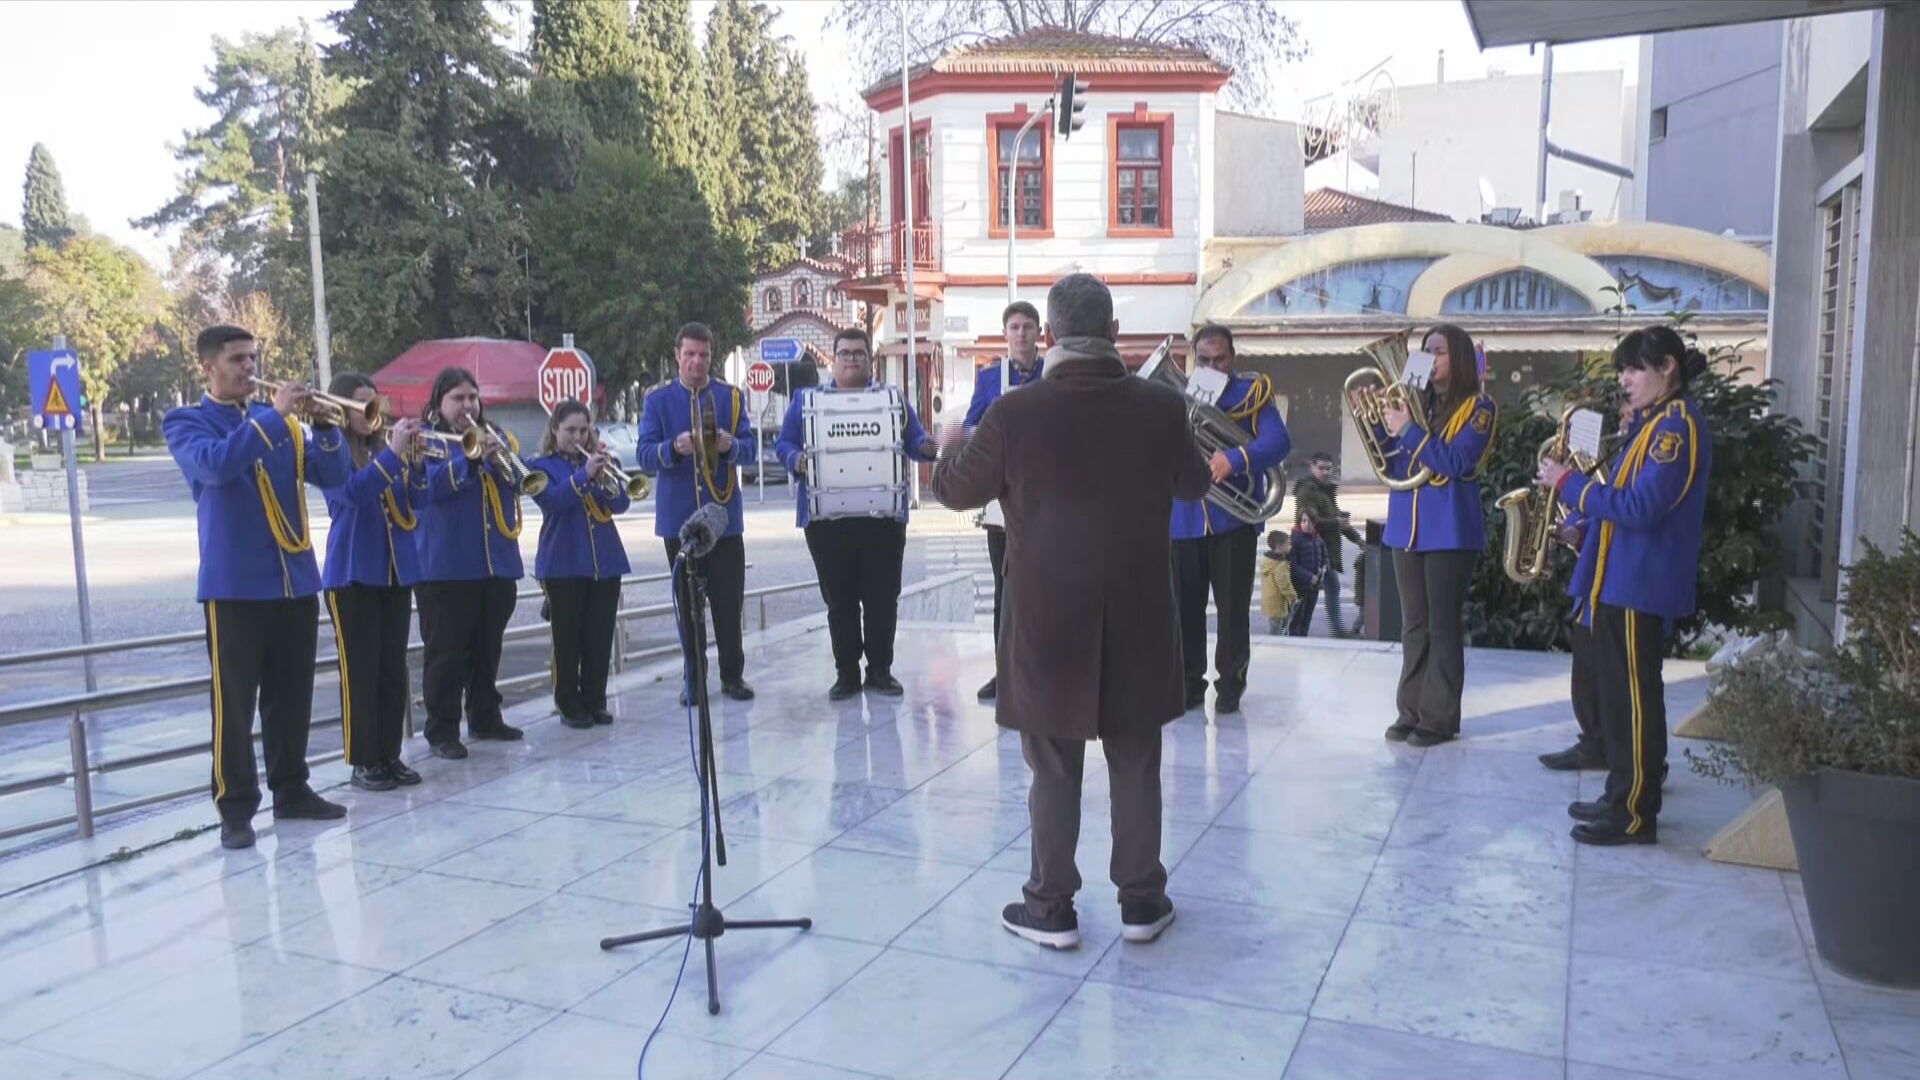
707,923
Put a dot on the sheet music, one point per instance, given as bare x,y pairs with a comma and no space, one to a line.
1206,385
1419,370
1583,432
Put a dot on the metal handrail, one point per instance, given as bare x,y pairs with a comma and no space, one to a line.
76,706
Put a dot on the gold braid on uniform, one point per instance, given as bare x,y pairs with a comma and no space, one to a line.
595,512
404,519
283,531
1258,398
499,512
706,471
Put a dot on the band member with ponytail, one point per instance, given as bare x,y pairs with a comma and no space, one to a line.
580,562
689,481
247,464
1638,569
1436,532
371,570
469,543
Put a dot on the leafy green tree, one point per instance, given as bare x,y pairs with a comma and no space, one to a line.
627,256
105,299
588,45
43,211
673,97
763,111
13,245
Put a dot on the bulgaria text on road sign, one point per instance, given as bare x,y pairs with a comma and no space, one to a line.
779,350
565,373
53,376
760,377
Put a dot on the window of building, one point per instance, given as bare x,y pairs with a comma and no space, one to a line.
1833,370
833,296
802,293
770,300
1022,176
1657,124
1140,146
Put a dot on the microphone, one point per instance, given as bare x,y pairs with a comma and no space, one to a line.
703,530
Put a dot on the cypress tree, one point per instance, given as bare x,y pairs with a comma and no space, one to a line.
588,45
43,212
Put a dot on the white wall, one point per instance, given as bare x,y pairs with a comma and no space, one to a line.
1838,49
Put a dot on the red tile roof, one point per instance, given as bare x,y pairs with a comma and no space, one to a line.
1330,209
1054,50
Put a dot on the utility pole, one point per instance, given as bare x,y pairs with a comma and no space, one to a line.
906,227
322,335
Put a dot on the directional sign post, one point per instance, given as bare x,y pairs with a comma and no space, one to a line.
759,388
565,373
779,350
53,376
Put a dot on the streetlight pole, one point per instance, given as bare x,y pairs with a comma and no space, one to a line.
1013,225
906,228
322,334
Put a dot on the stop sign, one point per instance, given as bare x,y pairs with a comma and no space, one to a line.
760,376
566,372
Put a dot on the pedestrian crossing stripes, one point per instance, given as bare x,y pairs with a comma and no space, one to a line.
968,552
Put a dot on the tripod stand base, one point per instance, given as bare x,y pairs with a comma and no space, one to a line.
707,924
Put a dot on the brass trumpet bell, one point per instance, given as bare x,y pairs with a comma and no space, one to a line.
440,446
328,409
1370,391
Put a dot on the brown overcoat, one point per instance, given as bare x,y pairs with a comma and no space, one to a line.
1086,463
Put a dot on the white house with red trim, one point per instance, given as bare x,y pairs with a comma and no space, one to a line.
1130,197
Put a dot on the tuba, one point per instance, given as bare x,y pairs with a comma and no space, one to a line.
1215,431
1535,514
1389,356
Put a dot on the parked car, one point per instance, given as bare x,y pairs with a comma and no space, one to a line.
769,460
622,440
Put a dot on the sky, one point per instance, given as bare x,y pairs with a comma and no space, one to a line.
69,80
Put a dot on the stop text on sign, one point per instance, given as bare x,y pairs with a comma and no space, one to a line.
560,383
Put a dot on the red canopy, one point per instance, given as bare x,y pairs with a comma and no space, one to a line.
506,370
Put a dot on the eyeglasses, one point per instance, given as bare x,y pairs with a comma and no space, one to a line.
860,354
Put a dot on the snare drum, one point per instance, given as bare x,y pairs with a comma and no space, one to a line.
855,467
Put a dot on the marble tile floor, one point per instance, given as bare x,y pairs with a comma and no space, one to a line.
1349,909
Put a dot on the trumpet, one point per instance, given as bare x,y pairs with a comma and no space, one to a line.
1214,431
613,479
329,409
525,480
440,446
1389,356
1535,514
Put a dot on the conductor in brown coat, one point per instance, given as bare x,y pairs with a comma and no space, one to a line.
1086,463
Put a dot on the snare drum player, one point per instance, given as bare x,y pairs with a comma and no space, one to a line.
248,464
858,558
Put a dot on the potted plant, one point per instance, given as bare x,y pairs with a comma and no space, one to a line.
1838,732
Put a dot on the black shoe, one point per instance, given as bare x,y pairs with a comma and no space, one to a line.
1196,698
1226,701
988,692
1597,810
235,835
684,700
373,778
577,721
452,751
1059,932
738,690
601,716
1399,732
1142,921
1614,834
500,732
1423,738
1574,757
401,774
884,683
301,804
844,688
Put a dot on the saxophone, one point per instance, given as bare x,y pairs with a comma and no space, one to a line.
1535,513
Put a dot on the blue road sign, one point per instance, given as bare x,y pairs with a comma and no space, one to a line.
779,350
54,377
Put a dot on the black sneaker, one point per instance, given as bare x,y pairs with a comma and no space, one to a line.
1614,834
1399,732
500,732
235,835
373,778
452,751
1423,738
1573,758
989,691
884,683
301,804
844,688
1141,921
577,721
1597,810
601,716
684,700
1059,932
738,690
401,774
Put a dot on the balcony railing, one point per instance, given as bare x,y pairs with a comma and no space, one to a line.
880,250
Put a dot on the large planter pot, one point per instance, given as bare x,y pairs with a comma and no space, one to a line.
1858,839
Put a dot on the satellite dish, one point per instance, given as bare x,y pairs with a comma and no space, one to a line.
1487,199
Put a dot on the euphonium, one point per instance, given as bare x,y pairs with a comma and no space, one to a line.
1389,356
526,481
1214,431
613,479
328,409
1535,514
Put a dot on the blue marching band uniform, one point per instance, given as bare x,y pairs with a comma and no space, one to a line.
684,486
580,562
1436,532
1637,574
1215,551
247,468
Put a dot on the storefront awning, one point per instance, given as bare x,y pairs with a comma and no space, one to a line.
1251,343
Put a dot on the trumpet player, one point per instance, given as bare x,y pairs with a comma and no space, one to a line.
1214,550
580,562
1638,570
247,464
372,566
469,545
1436,531
697,466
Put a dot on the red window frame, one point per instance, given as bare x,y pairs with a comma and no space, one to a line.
1133,174
1011,123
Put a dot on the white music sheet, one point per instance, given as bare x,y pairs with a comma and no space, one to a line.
1584,430
1206,385
1419,370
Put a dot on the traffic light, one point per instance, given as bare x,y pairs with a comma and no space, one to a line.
1072,104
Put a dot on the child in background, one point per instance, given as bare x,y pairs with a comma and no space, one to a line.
1309,563
1276,582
